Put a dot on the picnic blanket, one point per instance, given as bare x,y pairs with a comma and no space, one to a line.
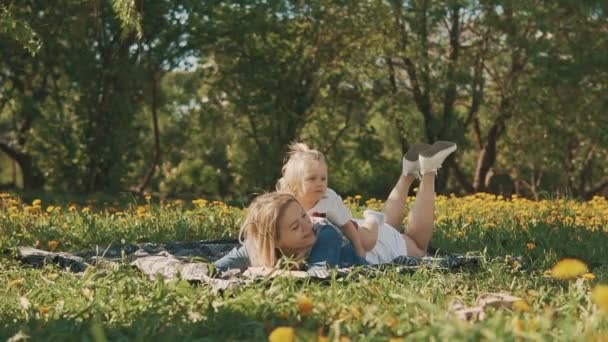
193,261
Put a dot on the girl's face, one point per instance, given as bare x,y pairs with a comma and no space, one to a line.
295,230
314,184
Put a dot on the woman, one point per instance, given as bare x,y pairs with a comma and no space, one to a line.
277,225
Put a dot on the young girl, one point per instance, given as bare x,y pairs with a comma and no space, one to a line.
305,177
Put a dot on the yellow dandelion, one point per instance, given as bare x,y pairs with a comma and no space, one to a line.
50,209
16,283
148,197
32,210
531,245
391,322
518,325
599,295
521,306
37,201
304,304
282,334
588,276
52,244
569,268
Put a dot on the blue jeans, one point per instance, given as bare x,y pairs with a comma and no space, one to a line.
330,249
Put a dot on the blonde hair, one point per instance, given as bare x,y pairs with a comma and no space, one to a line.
260,230
299,156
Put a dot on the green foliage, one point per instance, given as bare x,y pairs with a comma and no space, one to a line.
129,16
519,86
18,29
191,178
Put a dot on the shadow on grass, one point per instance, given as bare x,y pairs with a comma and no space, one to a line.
225,324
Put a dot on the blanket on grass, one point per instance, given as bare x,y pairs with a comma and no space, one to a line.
193,261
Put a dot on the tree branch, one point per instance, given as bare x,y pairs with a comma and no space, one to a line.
11,152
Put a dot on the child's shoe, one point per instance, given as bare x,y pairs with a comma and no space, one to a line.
432,158
411,164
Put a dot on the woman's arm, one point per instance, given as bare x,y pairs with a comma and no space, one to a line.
236,258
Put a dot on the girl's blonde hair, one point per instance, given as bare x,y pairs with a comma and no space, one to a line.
299,156
260,230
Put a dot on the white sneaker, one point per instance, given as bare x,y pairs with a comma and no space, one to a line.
374,215
411,165
432,158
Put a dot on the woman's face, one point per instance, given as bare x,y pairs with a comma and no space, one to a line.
295,230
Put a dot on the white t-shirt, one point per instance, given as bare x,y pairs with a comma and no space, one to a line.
390,243
332,207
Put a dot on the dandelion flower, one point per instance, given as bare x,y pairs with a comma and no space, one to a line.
304,304
569,268
36,202
16,283
518,325
282,334
588,276
599,295
52,244
521,306
531,245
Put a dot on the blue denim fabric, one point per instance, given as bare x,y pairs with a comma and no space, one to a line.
330,249
236,258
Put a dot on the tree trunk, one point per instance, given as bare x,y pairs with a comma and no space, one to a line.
486,159
33,180
156,160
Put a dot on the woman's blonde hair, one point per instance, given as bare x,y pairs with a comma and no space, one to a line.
260,230
298,157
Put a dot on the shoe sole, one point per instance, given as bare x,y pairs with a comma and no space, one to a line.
444,147
415,150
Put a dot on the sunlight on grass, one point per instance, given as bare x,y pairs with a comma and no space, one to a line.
560,277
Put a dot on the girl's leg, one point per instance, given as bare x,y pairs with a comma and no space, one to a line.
421,221
395,205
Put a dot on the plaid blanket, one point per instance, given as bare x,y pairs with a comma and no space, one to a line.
193,261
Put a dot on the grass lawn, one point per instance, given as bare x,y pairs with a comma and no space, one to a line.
123,304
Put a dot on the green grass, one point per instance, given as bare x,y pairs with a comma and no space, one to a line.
123,304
